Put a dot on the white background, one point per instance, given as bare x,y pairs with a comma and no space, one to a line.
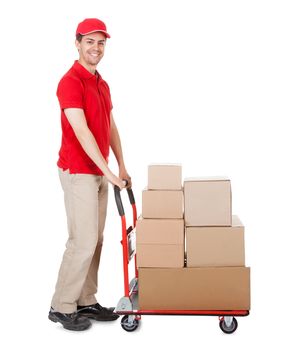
208,84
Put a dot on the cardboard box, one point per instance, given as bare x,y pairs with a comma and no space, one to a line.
160,255
160,242
208,202
160,231
209,288
162,204
216,246
164,177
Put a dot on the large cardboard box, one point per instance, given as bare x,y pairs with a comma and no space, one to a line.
162,204
160,242
208,201
209,288
164,177
216,246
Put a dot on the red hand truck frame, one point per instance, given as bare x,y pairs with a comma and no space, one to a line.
128,304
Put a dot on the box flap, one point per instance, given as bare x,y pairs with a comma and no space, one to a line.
206,178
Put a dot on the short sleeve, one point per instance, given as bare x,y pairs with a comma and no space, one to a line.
70,92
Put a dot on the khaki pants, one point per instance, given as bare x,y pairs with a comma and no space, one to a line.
85,198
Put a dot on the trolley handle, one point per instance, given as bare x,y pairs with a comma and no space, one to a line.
118,200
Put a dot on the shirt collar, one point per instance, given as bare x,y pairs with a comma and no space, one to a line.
83,72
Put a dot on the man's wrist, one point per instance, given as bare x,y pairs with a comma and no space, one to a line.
121,165
108,173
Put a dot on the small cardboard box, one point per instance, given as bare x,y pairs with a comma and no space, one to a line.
216,246
162,204
160,242
164,177
208,201
208,288
160,255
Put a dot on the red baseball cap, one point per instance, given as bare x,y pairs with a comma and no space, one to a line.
91,25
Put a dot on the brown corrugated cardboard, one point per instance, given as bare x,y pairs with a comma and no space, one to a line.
208,202
160,231
160,242
216,246
212,288
160,255
164,177
162,204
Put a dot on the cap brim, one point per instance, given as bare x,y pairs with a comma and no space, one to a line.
94,31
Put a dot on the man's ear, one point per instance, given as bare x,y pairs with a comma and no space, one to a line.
78,45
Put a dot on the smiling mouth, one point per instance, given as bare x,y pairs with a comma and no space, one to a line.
94,54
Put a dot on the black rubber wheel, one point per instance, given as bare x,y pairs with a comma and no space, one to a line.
228,330
129,326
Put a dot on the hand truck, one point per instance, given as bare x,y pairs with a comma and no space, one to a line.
128,304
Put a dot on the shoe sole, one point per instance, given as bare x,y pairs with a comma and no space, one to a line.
54,319
97,318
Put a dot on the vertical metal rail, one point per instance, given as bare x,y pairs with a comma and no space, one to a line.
125,234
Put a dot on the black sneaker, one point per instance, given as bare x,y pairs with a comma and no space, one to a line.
73,321
98,312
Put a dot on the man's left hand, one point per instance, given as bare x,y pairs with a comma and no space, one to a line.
123,174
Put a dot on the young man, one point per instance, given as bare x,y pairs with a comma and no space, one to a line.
88,131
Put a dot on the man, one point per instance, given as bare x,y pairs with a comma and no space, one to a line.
88,131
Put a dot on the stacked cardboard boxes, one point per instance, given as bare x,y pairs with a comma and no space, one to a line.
214,276
160,230
215,243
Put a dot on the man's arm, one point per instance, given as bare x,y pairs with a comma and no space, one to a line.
117,150
77,120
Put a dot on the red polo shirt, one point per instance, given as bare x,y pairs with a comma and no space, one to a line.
79,88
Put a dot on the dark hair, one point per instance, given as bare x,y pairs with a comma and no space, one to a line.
79,37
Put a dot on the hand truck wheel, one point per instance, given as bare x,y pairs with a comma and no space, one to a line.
228,324
129,323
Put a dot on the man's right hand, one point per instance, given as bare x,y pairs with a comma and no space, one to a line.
115,180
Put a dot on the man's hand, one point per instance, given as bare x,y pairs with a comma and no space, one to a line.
115,180
123,174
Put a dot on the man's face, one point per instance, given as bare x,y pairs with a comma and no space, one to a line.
91,49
